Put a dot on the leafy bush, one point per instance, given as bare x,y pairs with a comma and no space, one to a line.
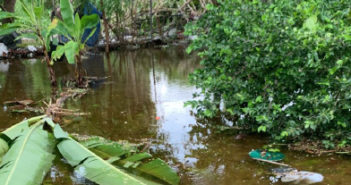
280,67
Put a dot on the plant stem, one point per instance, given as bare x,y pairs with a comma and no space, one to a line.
79,74
52,75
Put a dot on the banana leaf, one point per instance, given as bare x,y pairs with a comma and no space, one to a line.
67,13
91,166
30,155
127,157
4,147
14,131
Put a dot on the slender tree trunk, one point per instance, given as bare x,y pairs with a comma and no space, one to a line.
107,35
9,6
151,29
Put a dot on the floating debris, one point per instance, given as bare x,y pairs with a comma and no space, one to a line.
3,49
22,106
32,48
298,177
20,102
265,155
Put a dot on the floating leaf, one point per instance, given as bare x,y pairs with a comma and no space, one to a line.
271,156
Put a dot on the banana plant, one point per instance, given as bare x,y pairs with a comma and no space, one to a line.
32,22
27,152
72,27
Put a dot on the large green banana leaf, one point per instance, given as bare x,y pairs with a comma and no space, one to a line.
30,155
91,166
127,157
14,131
11,133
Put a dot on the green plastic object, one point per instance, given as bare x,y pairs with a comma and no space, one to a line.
265,155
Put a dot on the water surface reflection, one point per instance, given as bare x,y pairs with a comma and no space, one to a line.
143,100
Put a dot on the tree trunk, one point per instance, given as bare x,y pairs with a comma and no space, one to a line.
107,35
151,29
9,6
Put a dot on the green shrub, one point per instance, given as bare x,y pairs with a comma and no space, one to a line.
280,67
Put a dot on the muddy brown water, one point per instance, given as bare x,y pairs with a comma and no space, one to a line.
143,101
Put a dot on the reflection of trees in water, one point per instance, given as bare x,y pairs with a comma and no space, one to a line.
175,63
24,79
122,108
15,80
94,65
222,159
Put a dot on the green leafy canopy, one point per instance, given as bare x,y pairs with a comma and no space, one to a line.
73,27
279,67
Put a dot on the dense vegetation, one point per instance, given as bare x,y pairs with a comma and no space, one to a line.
280,67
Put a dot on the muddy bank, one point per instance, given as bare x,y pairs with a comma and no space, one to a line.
27,49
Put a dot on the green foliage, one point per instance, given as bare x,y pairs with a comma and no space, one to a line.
73,27
279,67
29,157
130,158
27,152
95,168
32,22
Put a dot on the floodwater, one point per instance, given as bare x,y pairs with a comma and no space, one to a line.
143,101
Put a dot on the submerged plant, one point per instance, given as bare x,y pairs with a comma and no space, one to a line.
72,27
32,22
27,151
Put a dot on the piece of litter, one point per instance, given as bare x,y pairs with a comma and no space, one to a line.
31,48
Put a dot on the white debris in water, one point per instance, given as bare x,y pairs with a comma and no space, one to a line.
3,49
32,48
80,172
302,177
273,179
